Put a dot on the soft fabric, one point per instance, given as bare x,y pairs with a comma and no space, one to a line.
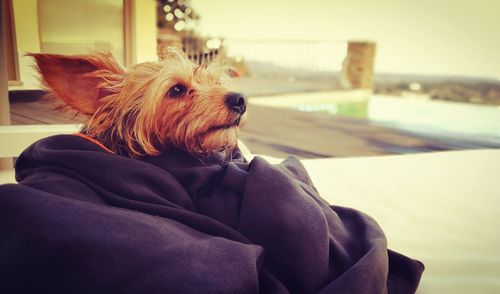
83,220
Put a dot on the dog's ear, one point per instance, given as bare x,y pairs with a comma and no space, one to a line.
232,72
79,80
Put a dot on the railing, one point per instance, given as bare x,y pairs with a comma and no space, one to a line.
196,50
306,56
194,47
350,62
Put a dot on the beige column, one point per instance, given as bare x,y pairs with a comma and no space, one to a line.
357,69
141,31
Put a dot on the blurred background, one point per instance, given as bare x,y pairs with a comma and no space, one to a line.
324,78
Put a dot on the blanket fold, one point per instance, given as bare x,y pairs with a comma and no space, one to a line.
82,220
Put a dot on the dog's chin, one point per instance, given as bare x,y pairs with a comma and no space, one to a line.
223,139
224,127
219,137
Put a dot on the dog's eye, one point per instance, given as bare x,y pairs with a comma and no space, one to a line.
177,91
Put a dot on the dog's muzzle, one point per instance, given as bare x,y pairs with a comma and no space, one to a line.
236,102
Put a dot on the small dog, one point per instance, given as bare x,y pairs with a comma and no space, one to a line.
152,106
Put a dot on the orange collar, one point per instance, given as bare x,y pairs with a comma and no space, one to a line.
94,141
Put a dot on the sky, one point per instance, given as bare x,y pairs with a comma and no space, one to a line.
440,37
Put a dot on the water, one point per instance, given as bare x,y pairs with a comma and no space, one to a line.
420,116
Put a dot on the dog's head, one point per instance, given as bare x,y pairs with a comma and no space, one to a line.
150,107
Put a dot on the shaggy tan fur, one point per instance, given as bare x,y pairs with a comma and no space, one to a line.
130,111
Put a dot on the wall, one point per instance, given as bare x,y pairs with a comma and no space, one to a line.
78,26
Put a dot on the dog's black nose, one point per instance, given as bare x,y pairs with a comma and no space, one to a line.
236,102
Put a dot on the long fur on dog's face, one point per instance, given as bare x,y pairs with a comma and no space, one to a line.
135,112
